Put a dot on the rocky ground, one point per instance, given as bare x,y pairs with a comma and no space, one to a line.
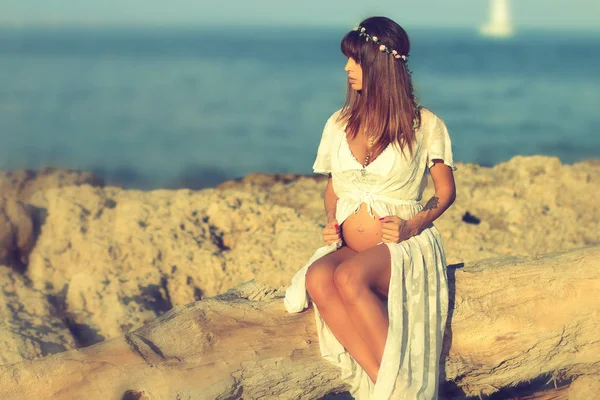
81,262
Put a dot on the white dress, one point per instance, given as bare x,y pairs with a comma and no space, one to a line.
418,293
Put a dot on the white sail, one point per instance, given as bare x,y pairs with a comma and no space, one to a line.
499,24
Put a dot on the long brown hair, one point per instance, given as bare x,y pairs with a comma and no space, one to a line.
386,106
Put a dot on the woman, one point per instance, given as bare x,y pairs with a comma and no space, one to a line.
379,287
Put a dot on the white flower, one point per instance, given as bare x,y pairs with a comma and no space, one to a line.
362,29
404,57
382,47
394,52
374,39
356,27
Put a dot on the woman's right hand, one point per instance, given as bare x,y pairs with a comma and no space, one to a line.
331,233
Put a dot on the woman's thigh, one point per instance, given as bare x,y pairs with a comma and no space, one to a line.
370,268
319,276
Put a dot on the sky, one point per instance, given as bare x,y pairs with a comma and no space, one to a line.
545,14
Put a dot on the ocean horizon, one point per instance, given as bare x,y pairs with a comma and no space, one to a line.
180,107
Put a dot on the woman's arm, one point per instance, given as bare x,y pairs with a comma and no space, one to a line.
445,194
330,200
331,232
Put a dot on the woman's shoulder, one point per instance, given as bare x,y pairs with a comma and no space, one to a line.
334,118
334,122
430,122
428,117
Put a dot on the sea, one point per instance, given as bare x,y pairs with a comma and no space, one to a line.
190,107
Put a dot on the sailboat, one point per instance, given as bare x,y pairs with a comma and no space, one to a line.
499,25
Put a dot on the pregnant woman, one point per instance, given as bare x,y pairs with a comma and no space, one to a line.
379,286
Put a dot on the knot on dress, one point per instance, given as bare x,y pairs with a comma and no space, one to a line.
366,197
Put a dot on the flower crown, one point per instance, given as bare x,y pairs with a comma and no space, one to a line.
363,32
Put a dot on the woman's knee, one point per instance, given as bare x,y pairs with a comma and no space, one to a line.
349,281
319,280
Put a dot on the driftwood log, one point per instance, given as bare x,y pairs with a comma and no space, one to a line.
512,319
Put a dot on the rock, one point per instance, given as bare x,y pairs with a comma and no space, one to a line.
17,235
124,257
29,325
24,183
514,318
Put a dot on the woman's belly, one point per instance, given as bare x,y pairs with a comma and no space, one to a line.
359,231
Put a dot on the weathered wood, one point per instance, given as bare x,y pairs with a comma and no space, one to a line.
583,388
516,318
225,347
512,319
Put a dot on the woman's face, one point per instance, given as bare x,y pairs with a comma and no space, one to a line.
354,74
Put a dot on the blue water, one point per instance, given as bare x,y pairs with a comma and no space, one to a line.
191,108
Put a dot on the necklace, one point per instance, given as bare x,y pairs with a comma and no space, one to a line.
364,166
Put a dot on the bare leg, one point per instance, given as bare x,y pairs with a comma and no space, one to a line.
321,288
360,280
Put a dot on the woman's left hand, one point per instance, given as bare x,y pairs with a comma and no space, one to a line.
396,230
